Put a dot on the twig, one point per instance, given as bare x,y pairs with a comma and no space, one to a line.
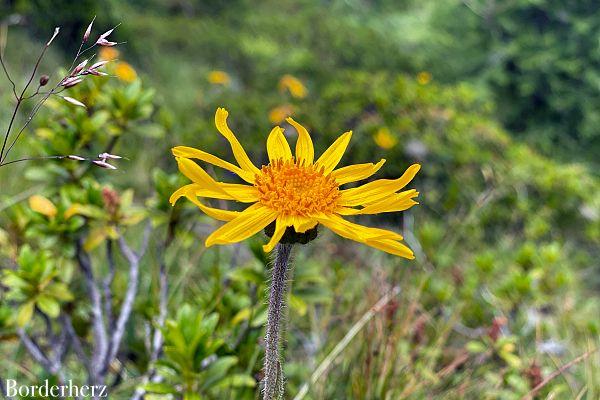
556,373
108,280
134,265
65,320
20,99
36,352
99,330
157,339
327,361
2,46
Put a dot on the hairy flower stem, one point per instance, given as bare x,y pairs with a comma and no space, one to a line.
273,380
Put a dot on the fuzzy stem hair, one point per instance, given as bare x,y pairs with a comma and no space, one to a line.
273,387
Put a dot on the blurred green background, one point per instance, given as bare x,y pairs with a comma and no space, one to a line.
499,102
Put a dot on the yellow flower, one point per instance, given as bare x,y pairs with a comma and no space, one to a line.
280,113
125,72
384,138
423,78
295,191
219,78
42,205
108,53
293,85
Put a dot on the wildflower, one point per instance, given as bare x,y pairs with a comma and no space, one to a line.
42,205
424,77
125,72
278,114
384,138
293,85
108,53
219,78
295,192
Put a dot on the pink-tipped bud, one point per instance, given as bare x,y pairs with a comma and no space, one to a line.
107,33
70,82
104,164
93,72
44,80
88,31
79,67
99,64
76,158
106,43
56,30
108,155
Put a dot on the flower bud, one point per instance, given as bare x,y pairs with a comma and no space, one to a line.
44,80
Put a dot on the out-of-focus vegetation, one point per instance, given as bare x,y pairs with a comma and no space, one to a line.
504,289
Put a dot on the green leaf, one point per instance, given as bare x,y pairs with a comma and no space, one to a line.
236,380
48,305
24,314
159,388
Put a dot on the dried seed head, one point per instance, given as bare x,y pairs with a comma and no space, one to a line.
88,31
44,80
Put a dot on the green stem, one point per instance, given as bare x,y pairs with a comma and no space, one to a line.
273,380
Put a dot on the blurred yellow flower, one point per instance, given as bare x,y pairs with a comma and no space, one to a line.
219,78
295,193
125,72
280,113
424,77
108,53
42,205
293,85
384,138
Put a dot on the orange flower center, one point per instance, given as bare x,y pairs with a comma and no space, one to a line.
295,189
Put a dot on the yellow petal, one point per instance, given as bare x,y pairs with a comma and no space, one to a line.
246,224
243,193
302,224
196,174
190,152
353,231
206,186
305,151
356,172
181,192
238,151
277,145
377,190
392,247
42,205
332,156
217,213
393,203
280,227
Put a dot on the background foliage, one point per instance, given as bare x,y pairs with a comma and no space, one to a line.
495,99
